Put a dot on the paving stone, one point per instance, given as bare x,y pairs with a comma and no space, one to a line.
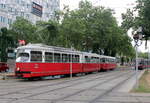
5,100
119,99
86,95
31,101
14,96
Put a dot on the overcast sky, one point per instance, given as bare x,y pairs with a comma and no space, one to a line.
119,6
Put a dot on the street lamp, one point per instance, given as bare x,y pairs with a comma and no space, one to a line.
137,39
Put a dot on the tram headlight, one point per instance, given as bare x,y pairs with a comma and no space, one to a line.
18,69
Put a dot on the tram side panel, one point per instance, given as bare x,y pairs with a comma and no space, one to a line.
108,63
91,67
50,66
91,63
27,70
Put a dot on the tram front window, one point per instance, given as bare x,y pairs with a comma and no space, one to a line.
22,57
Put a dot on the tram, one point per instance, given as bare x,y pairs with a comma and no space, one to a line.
38,60
143,64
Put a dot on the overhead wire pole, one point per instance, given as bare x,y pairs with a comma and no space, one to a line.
71,64
136,73
137,38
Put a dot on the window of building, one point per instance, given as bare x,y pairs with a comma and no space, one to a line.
0,18
27,15
48,57
28,5
22,3
16,12
10,9
36,56
47,5
3,19
9,21
22,13
18,1
2,6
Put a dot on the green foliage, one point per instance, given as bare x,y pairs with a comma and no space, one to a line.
141,20
89,28
23,29
143,84
5,42
143,55
47,32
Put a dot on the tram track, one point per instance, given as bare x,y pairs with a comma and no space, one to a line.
105,81
116,77
101,75
76,81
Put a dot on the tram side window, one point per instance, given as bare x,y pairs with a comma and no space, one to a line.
93,60
65,58
57,58
48,57
97,60
87,59
114,60
75,59
103,60
36,56
110,60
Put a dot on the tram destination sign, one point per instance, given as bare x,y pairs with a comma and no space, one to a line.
37,9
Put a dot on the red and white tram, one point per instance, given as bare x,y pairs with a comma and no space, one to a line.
108,63
37,60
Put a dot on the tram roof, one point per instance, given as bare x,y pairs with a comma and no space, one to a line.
109,57
90,54
46,47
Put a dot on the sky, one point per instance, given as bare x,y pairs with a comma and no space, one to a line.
119,6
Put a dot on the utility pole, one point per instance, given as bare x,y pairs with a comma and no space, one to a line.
71,64
137,39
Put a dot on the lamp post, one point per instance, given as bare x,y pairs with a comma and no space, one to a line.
137,39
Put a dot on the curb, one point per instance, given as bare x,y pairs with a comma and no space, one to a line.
130,84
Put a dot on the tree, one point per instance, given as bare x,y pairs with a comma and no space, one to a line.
130,20
47,32
5,42
23,29
143,55
89,28
93,29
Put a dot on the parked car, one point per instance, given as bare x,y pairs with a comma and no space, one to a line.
3,67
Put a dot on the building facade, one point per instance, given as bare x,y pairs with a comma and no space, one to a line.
33,10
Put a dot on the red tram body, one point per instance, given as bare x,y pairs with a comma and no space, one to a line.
143,64
37,60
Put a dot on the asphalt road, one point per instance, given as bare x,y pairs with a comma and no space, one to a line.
103,87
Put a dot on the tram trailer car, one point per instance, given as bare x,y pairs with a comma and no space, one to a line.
37,60
108,63
143,64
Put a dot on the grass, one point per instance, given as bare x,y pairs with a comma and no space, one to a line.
144,86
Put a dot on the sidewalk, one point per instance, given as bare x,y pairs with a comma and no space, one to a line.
127,86
7,75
